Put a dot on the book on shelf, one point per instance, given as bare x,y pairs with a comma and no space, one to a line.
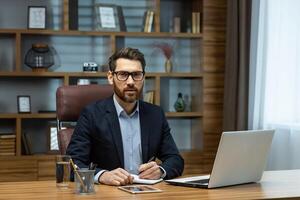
195,22
26,142
7,153
121,18
7,148
177,26
148,21
149,96
144,21
7,144
198,18
73,14
10,150
7,136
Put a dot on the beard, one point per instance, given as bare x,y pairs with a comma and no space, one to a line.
130,94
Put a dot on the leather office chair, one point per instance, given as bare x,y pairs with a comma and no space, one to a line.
70,100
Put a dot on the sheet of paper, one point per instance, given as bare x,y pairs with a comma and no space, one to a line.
145,181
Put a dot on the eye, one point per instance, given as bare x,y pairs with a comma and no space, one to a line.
138,74
121,73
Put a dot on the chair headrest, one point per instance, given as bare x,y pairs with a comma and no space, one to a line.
70,100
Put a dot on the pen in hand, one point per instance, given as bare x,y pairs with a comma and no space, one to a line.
151,159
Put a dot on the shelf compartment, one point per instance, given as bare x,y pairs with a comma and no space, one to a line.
35,135
41,90
70,52
149,91
8,145
187,133
191,90
133,12
14,13
181,9
186,57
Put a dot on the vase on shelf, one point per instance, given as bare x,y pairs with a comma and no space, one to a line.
179,104
168,65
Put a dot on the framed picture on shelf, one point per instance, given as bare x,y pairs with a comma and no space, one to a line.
52,140
36,17
109,17
24,104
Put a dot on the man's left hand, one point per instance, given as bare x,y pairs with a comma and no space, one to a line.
150,171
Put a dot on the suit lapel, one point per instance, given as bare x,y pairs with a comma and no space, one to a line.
144,131
115,130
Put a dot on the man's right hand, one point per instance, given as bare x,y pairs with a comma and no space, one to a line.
117,177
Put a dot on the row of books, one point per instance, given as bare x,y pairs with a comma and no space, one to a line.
196,22
7,144
148,21
149,97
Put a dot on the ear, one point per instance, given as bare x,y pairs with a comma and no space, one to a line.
110,77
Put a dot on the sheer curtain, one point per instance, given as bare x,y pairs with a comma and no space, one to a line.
275,78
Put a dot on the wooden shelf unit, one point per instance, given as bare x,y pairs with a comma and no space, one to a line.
205,76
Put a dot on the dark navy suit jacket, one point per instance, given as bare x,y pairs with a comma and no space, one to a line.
97,138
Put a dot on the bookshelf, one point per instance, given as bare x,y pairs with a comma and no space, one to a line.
197,72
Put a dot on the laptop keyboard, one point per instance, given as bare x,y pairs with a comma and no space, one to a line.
201,181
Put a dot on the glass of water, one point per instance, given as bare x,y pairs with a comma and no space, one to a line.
63,171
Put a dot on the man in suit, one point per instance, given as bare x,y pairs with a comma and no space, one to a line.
122,133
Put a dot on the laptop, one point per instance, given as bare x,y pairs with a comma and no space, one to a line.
241,158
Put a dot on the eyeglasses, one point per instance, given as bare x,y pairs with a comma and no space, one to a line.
123,75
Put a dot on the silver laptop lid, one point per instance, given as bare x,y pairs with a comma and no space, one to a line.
241,157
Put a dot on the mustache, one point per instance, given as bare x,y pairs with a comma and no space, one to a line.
130,89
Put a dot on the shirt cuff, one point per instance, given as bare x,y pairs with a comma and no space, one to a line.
163,171
96,177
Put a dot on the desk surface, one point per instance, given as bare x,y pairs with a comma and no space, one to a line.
274,184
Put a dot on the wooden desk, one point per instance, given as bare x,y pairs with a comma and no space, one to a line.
274,184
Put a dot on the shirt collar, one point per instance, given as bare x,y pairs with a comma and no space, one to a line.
120,109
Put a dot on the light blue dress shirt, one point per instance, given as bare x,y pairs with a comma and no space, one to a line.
131,137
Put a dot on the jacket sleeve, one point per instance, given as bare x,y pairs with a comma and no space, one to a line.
80,145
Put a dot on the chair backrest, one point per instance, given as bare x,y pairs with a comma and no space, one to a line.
70,100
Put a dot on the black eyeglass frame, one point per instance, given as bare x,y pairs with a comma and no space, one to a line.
129,74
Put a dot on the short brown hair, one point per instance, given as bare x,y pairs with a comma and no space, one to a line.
128,53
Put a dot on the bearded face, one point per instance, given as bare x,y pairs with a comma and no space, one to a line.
129,90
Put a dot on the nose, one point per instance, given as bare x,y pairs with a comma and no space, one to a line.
130,80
